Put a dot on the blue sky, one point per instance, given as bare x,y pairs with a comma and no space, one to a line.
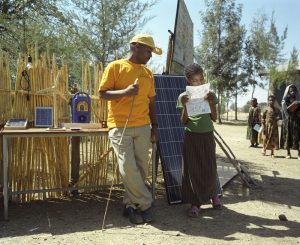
286,14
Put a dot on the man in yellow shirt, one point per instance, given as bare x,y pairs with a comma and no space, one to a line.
128,85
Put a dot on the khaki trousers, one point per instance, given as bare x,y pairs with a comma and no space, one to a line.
133,156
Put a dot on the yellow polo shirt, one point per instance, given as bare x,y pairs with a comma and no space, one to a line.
118,75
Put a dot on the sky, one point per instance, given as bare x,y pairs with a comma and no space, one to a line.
286,15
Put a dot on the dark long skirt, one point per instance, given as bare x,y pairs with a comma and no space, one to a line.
252,135
290,133
199,167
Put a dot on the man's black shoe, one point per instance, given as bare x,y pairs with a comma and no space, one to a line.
133,215
146,215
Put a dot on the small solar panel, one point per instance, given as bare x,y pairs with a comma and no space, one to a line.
43,117
16,123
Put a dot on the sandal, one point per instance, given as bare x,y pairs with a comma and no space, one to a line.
216,203
263,152
194,211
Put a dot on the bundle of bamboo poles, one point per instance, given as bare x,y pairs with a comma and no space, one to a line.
34,161
5,88
40,163
5,95
90,84
98,162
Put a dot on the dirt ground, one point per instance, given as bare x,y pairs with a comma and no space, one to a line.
249,216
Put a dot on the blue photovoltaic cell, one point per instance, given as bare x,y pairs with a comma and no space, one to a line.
171,132
43,117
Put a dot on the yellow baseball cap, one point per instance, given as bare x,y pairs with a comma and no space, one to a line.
148,41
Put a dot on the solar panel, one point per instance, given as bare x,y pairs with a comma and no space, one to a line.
43,117
171,133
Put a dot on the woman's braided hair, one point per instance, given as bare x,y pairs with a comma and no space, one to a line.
192,69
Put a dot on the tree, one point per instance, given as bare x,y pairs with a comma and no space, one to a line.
282,76
249,65
221,44
24,23
241,87
263,49
246,107
97,31
104,28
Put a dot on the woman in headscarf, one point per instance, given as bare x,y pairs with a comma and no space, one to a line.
290,131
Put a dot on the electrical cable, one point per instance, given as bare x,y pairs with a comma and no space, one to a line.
26,77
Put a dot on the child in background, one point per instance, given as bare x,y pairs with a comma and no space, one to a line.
290,134
199,149
270,135
254,117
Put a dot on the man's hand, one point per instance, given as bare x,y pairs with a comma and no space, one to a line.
132,90
154,134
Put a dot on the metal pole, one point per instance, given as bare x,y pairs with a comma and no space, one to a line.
5,181
153,156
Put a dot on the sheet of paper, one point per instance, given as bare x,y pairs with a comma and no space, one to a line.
197,105
196,92
257,128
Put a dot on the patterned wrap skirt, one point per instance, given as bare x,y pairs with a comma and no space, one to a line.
270,136
199,168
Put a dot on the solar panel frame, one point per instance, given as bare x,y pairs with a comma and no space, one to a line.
171,132
43,117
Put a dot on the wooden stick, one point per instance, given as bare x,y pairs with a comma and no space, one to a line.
241,171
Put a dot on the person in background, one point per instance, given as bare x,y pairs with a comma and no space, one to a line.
290,134
270,135
128,85
254,117
199,148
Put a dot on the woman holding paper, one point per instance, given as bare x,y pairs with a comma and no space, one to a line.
270,135
199,147
254,121
290,133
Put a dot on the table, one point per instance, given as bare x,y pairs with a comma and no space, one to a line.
36,132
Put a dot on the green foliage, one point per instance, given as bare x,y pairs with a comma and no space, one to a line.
222,41
93,30
246,107
232,107
263,51
286,74
104,28
25,24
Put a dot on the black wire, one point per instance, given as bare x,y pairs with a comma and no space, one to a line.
26,77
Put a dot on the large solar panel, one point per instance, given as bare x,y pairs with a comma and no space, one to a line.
171,132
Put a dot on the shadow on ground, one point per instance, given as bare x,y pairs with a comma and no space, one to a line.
85,213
